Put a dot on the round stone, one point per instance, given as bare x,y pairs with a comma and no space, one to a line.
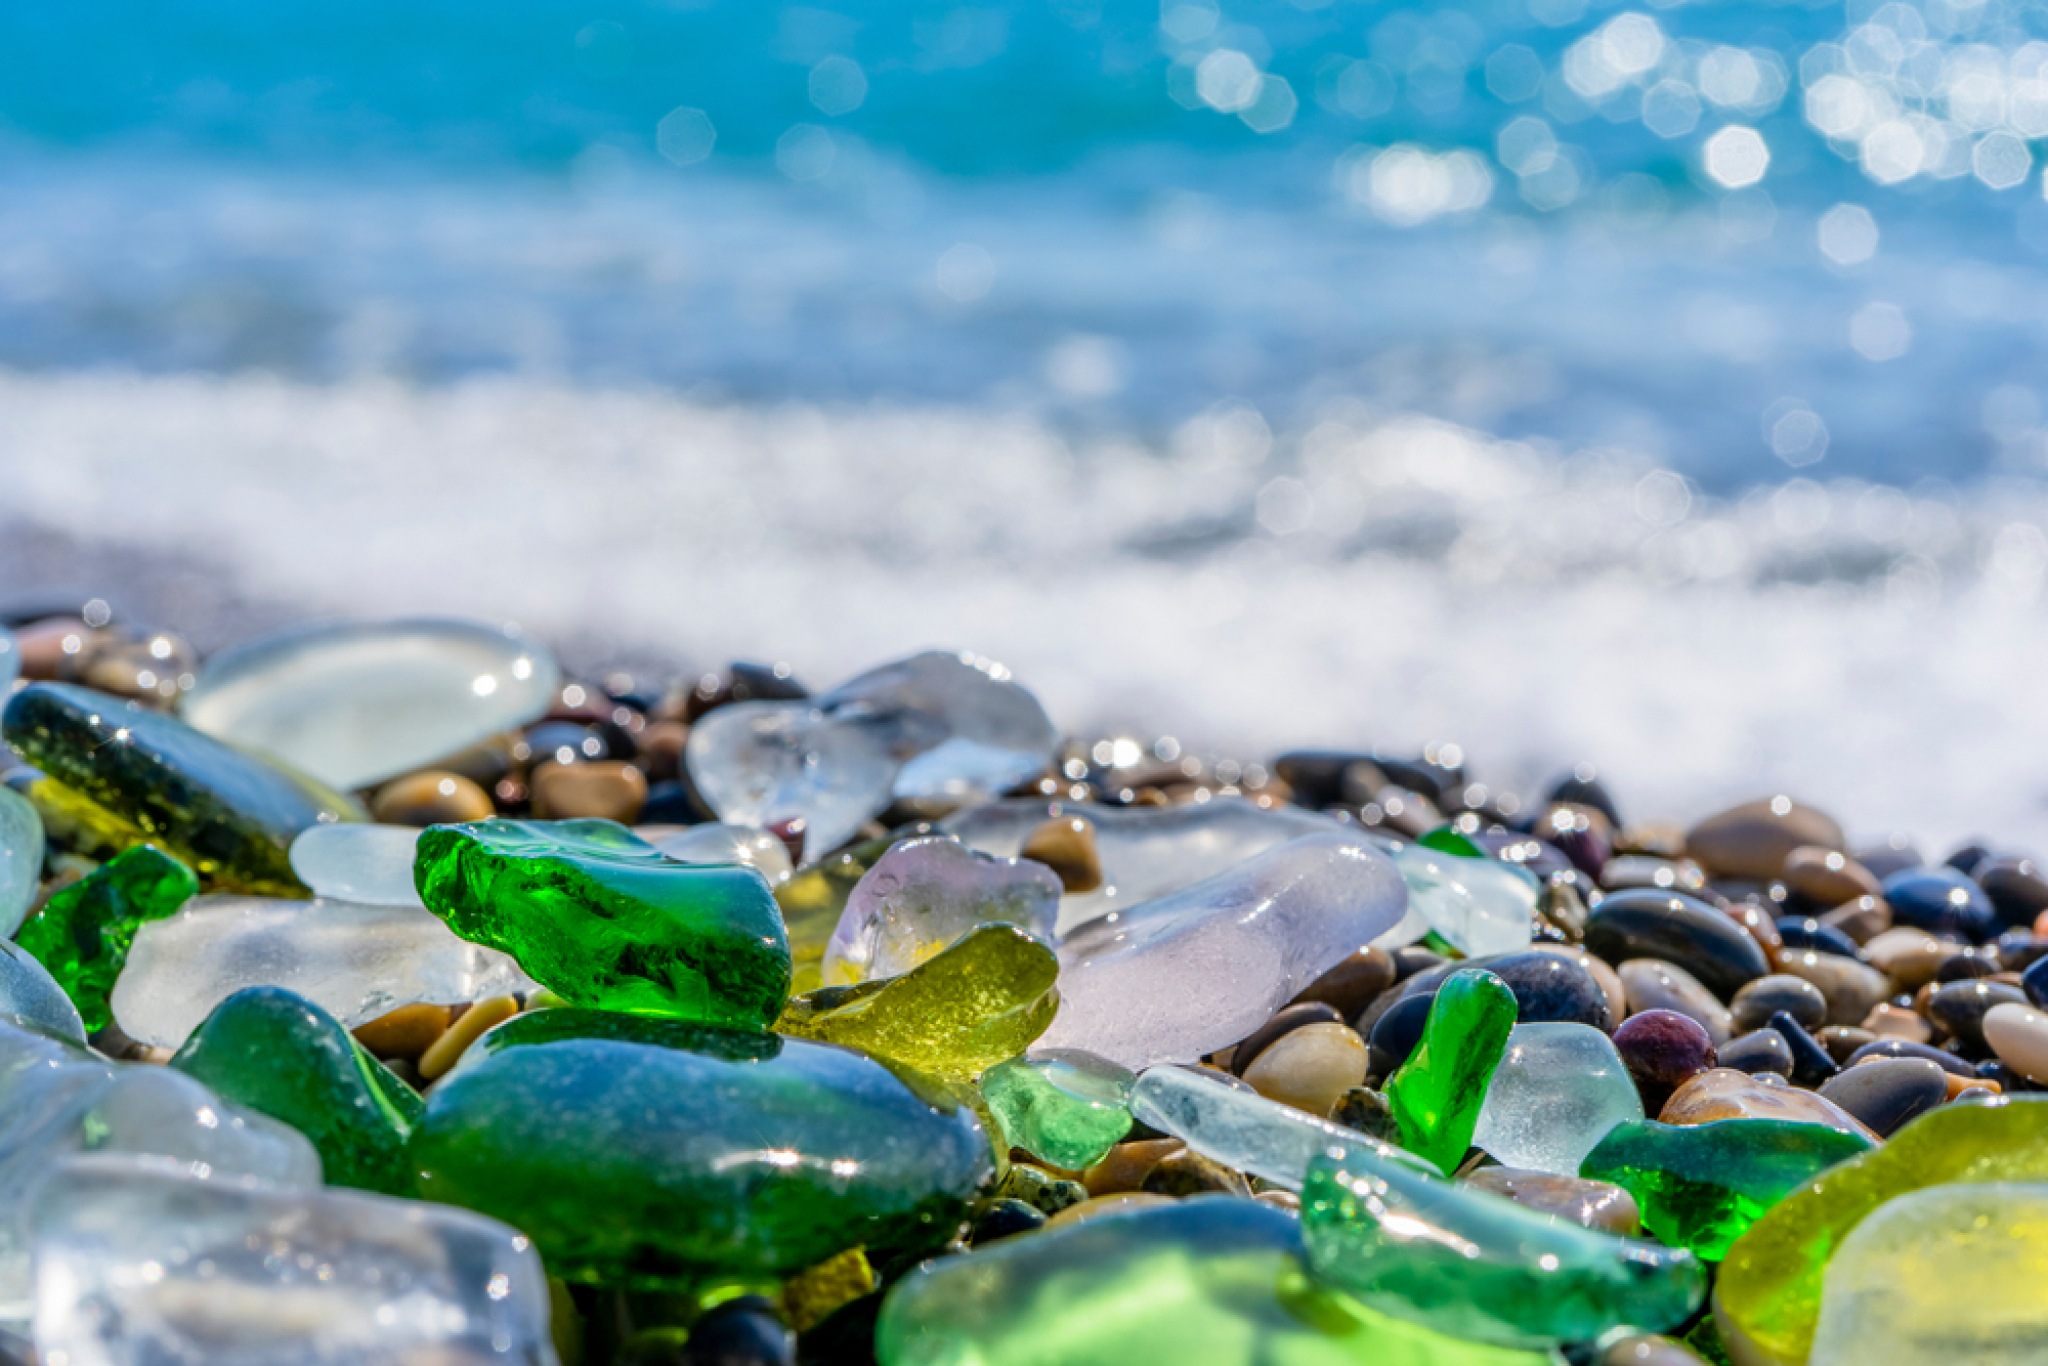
2015,887
1941,901
1960,1008
1652,984
1663,1049
1679,930
2018,1034
1066,844
1752,842
1762,1050
1886,1092
1353,984
608,790
1754,1005
1850,988
431,797
1285,1019
1310,1067
1724,1093
1827,877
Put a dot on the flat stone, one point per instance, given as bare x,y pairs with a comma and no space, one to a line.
1678,930
1885,1093
1751,842
355,705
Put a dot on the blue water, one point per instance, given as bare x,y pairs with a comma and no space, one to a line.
1040,206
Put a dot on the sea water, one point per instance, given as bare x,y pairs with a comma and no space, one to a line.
1654,386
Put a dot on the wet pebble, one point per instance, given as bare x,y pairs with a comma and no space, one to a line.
1000,1218
1897,1022
1752,842
1807,932
1754,1005
1886,1092
1724,1093
1905,1048
1762,1050
431,797
1959,1008
1548,987
607,789
1598,969
1850,988
1827,877
1285,1019
1862,919
1811,1064
1597,1205
2015,888
1066,844
1353,984
2018,1034
1189,1173
1663,1049
1681,931
1395,1033
1908,955
1652,984
1310,1067
1941,901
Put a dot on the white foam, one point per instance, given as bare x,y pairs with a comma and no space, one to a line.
1873,652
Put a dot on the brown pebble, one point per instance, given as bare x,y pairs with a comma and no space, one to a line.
1724,1093
1752,842
447,1050
431,797
1590,1204
1285,1019
1189,1173
50,649
605,789
1122,1202
661,750
1910,957
1862,920
406,1032
1843,1040
1827,877
1066,844
1353,984
1310,1067
1888,1021
1123,1168
1957,1085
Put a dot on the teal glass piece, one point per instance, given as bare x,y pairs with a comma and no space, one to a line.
1063,1106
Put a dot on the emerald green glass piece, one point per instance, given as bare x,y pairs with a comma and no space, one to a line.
1447,840
1701,1186
980,1002
131,774
83,933
1767,1296
661,1154
1476,1265
1209,1280
603,919
813,900
1436,1096
276,1052
1065,1107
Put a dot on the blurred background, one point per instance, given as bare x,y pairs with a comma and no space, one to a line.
1660,387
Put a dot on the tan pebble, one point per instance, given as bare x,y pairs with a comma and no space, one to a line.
1862,920
406,1032
1957,1085
1123,1168
1125,1202
1888,1021
1310,1067
1828,876
1842,1041
1724,1093
1189,1173
1066,844
431,797
605,790
661,750
2019,1036
51,649
453,1043
1851,988
1751,842
1908,956
1591,1204
1652,840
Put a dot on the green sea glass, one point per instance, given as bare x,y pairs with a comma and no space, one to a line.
1701,1186
604,919
980,1002
83,932
1064,1107
1767,1296
1476,1265
126,774
660,1154
276,1052
1209,1280
1436,1095
1447,839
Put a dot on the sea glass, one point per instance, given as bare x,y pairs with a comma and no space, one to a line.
1559,1089
84,931
922,895
1438,1093
21,856
371,865
1063,1106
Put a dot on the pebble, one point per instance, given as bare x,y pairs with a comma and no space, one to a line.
1960,1007
1852,989
1827,877
1649,1349
1679,930
1727,1094
1754,1005
1598,1205
1353,984
2034,981
1287,1018
1126,1164
2018,1034
1548,987
1896,1022
1310,1067
1663,1049
1886,1092
1762,1050
1188,1173
1941,901
449,1046
2016,889
406,1032
1601,972
1811,1064
606,790
1397,1031
1806,932
1752,842
1066,844
1862,919
431,797
1655,985
1905,1048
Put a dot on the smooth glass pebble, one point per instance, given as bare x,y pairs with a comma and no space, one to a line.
980,1002
32,996
1438,1093
629,1146
1701,1186
21,857
133,776
1768,1294
355,962
84,932
1478,905
58,1098
1146,852
1174,979
371,865
136,1263
603,919
960,726
354,705
1241,1129
1951,1275
1063,1106
788,765
924,894
1474,1265
280,1055
1211,1279
1558,1090
716,842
